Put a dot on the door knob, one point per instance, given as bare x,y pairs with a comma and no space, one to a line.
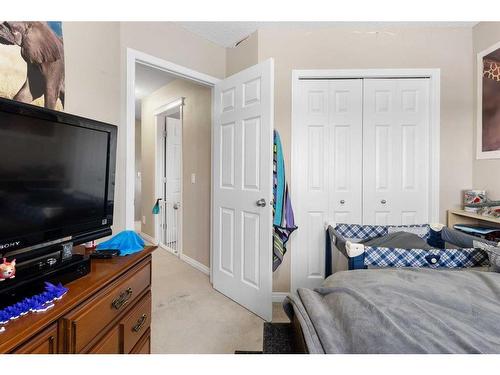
383,201
176,205
342,201
261,202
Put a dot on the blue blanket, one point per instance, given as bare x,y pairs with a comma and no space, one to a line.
128,242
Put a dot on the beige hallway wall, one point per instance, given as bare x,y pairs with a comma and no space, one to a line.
486,172
196,156
349,48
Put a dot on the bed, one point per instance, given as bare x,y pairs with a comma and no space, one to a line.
437,306
399,310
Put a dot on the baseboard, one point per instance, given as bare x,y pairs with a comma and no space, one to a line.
148,238
195,264
278,297
170,250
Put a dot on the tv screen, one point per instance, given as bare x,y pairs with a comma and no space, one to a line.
53,177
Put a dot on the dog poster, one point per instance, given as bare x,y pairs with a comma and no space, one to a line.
32,63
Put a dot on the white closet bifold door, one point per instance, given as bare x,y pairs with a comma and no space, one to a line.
346,150
396,151
329,162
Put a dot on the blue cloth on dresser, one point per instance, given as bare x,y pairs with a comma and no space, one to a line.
128,242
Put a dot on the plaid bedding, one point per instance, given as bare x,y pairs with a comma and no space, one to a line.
365,232
383,257
418,258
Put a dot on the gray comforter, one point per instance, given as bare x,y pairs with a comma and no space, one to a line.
401,311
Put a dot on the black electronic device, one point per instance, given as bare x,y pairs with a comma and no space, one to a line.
57,178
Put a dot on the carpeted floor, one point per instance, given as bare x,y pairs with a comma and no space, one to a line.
189,316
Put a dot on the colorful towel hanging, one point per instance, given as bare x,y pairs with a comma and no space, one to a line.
283,222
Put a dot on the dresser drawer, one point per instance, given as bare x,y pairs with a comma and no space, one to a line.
144,345
43,343
87,322
136,323
109,344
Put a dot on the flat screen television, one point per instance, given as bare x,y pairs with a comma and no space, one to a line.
57,177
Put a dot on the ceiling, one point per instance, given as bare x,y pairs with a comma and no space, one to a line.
227,34
148,80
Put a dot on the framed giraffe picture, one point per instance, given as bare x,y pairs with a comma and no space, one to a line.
488,106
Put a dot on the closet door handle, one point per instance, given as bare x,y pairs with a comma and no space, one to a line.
342,201
383,201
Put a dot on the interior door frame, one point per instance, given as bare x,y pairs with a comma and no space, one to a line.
160,113
128,114
434,76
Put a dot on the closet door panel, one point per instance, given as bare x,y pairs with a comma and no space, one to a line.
396,151
345,123
327,164
311,205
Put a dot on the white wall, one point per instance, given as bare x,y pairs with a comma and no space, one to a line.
138,170
95,59
349,48
95,79
171,42
92,61
486,172
242,56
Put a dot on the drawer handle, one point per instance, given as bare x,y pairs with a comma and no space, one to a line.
140,323
122,299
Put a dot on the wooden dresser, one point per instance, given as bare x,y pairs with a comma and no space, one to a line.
105,312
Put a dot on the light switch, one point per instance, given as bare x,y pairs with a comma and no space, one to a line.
193,178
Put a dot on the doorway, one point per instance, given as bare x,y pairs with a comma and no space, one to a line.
170,176
237,190
174,178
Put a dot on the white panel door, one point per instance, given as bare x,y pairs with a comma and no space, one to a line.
328,163
242,188
346,150
173,182
396,151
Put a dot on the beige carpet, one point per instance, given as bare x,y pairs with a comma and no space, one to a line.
189,316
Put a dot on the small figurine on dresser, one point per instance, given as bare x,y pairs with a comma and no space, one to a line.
7,270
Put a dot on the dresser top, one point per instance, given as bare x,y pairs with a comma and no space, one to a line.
103,272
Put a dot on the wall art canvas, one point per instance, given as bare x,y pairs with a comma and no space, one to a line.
488,107
32,63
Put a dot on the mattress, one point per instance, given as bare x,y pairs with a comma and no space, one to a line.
415,310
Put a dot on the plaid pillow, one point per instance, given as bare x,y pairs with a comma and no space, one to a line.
416,258
493,254
358,232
